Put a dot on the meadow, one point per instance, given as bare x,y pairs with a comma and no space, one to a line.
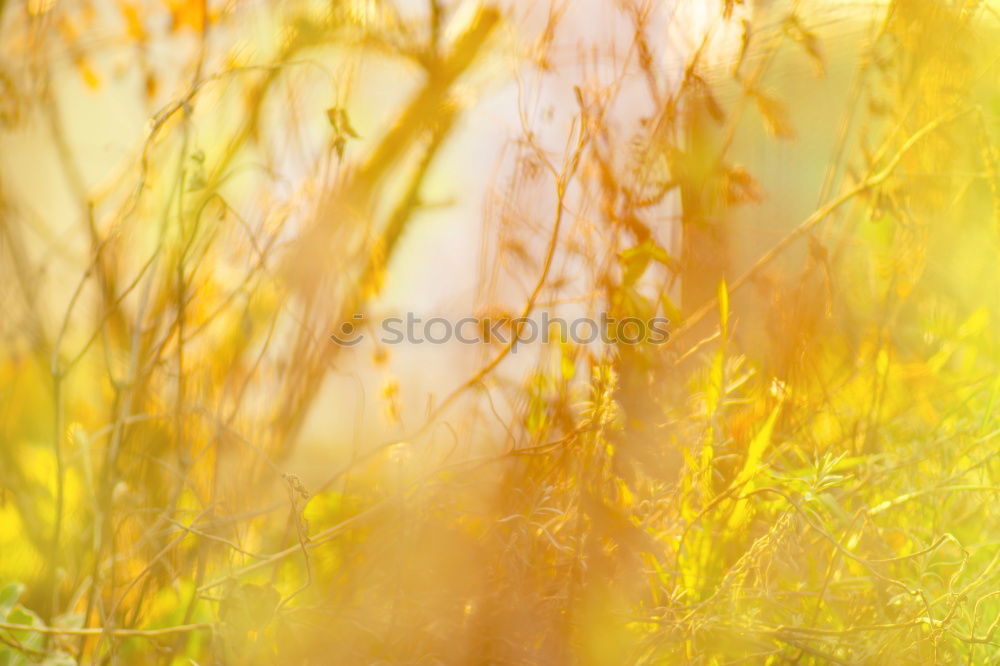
208,455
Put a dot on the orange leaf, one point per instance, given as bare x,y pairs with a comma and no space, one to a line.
187,13
133,23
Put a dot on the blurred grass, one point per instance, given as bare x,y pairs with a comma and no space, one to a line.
806,473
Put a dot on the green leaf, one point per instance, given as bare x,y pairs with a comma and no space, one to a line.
755,453
29,639
636,259
9,595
